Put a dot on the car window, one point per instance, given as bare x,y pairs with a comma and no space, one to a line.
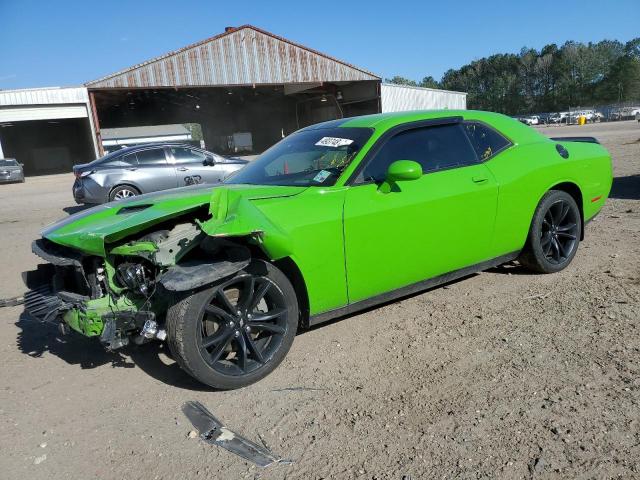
485,140
120,161
153,156
309,157
434,148
187,155
7,162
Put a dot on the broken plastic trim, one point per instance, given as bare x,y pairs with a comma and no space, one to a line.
214,433
196,274
229,259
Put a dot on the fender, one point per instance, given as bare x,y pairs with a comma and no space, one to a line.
233,215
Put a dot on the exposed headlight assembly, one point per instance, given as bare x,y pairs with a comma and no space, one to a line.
135,277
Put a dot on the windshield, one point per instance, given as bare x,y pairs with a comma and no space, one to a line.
8,162
306,158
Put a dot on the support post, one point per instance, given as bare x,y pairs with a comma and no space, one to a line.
96,124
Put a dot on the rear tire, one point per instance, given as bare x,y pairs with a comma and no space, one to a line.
554,234
236,331
122,192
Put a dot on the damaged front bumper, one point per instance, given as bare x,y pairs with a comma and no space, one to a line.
64,292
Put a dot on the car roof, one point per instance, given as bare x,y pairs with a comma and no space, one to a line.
142,146
397,118
515,130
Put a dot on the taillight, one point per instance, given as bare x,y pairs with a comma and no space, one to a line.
84,174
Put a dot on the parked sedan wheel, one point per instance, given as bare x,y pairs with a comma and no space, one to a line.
123,191
554,235
238,331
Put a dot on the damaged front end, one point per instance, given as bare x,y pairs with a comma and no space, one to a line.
80,292
123,296
114,270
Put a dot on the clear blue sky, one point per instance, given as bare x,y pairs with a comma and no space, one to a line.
65,42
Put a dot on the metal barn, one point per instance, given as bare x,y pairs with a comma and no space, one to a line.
244,81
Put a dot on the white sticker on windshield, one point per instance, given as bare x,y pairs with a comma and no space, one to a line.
321,176
334,142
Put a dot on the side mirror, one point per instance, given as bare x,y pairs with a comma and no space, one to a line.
403,170
400,171
209,161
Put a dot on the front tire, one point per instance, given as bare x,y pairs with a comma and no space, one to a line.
554,234
236,331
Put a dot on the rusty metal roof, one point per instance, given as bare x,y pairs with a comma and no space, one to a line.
245,55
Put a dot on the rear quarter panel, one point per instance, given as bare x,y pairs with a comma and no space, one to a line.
526,172
593,162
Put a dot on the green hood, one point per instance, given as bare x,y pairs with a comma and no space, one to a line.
90,229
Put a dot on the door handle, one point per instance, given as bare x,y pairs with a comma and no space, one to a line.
480,179
132,169
182,169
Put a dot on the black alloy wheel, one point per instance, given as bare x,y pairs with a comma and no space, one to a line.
554,234
243,324
236,331
559,232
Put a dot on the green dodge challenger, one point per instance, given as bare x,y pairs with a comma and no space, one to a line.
333,219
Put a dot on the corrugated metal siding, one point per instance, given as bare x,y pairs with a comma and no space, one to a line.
400,98
43,96
20,114
244,56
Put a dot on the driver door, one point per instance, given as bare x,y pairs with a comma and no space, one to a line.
423,228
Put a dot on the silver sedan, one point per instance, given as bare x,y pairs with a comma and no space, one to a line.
149,168
10,171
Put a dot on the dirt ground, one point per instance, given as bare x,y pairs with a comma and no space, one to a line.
500,375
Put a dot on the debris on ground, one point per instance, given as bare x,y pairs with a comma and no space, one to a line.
214,432
299,389
11,302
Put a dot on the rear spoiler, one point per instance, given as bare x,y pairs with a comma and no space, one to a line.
575,139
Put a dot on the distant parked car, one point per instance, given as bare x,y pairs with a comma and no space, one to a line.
554,118
530,120
11,171
148,168
544,118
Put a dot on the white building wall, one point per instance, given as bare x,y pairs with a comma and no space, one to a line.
400,98
43,96
42,112
49,103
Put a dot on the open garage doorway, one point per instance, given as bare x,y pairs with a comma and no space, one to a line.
48,146
236,120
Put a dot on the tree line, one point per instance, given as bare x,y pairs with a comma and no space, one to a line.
550,80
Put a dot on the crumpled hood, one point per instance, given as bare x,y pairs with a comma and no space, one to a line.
90,229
